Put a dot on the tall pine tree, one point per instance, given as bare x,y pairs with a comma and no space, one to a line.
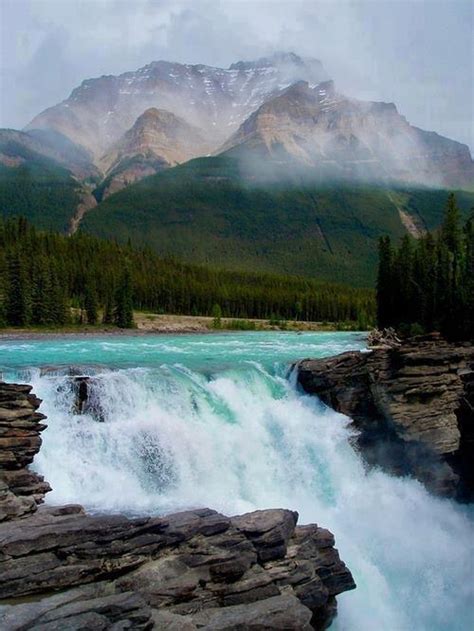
123,316
384,283
18,300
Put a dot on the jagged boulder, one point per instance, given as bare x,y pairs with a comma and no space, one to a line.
411,404
383,338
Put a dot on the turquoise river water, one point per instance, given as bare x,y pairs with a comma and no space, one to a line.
217,420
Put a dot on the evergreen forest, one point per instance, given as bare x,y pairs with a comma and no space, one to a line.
428,284
49,279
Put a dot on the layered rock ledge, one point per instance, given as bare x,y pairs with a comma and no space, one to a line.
21,490
61,568
413,404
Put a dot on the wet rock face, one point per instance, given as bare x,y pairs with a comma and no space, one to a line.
61,568
411,405
20,427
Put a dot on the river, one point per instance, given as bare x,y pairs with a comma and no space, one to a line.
217,420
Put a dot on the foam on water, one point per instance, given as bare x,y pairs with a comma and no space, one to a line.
242,437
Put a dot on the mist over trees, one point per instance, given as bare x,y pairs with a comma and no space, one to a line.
50,279
428,284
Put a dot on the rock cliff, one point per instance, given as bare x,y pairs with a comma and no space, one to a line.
21,490
412,404
62,568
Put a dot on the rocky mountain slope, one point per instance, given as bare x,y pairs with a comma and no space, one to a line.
216,100
61,568
281,108
17,147
343,138
157,140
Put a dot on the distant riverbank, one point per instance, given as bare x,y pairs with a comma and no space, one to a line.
146,323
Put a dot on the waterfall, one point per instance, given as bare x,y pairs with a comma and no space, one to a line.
242,438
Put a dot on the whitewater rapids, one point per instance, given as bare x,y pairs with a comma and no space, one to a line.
217,421
245,438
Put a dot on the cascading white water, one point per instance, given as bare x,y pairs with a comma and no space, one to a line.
245,439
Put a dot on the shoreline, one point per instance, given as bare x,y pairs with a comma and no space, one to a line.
154,324
39,335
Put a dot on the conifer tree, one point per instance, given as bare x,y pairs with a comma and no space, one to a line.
451,233
18,300
41,295
384,283
59,308
108,313
217,316
90,302
432,280
467,280
123,316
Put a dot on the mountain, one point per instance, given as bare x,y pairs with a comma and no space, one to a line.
35,183
157,140
263,165
51,144
281,109
215,100
210,211
348,139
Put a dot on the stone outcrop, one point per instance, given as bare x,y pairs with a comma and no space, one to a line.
385,338
21,490
61,568
413,405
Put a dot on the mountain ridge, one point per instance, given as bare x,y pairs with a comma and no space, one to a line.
266,161
214,99
346,138
308,122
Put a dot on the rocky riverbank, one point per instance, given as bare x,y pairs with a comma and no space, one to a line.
413,404
61,568
21,490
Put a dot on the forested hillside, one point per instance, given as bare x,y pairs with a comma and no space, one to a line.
219,213
206,211
43,274
36,187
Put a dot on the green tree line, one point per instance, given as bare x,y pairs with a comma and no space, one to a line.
44,274
428,284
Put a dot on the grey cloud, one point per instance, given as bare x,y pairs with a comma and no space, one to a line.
417,53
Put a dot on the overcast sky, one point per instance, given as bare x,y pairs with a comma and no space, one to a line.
417,53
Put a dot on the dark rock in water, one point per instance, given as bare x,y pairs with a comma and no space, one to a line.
86,399
81,389
412,404
61,568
